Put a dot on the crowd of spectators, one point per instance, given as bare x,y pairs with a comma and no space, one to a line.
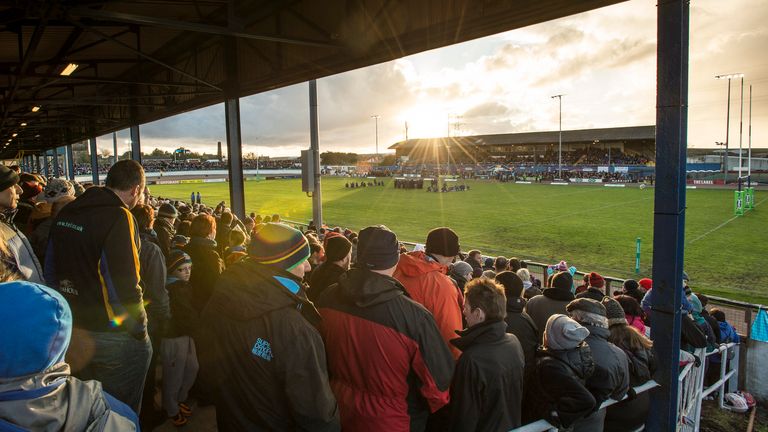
288,329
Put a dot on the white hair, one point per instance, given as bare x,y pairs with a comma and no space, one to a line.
589,318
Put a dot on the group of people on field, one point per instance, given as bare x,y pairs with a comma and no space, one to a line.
280,329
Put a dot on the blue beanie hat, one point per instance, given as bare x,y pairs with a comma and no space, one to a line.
35,328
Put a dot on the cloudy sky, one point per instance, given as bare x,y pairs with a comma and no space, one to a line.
603,61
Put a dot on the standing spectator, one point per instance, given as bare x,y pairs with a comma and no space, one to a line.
487,388
338,258
389,364
199,201
207,262
192,198
461,272
633,313
553,300
558,392
271,362
632,413
518,322
18,257
611,376
595,287
93,260
475,259
39,238
165,227
500,264
178,348
529,289
223,227
39,393
424,276
153,275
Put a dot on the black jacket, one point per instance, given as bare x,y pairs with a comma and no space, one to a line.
271,365
522,326
611,377
93,261
165,232
153,275
206,268
632,413
487,387
184,317
558,392
591,293
325,275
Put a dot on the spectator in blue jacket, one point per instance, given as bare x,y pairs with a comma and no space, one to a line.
36,389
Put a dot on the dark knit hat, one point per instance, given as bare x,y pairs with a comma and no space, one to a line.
513,285
562,280
179,240
595,280
630,285
176,259
279,245
587,305
377,248
8,177
443,241
168,211
614,312
337,248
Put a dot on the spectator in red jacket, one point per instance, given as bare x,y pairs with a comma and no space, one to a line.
388,365
424,276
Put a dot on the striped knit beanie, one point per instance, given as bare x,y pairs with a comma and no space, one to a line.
279,245
176,259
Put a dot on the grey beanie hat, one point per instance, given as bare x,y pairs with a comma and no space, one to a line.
614,312
461,268
563,333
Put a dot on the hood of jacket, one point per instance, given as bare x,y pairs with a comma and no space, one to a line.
248,290
52,401
483,333
515,304
94,197
579,359
597,332
417,263
366,288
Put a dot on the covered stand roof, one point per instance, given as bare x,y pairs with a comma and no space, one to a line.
140,61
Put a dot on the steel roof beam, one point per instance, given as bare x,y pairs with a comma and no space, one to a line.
192,27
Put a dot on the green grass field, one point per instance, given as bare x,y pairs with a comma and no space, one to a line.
593,228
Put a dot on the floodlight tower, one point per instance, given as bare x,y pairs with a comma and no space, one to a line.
560,140
729,77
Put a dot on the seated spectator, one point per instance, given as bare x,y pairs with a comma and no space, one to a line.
632,413
564,363
633,289
728,334
487,388
633,313
701,323
34,335
177,348
708,318
529,290
389,364
518,322
553,300
595,287
611,376
271,365
338,259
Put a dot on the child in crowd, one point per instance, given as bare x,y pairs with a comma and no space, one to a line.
177,348
727,332
236,250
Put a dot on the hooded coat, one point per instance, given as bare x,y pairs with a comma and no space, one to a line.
389,365
558,392
93,261
427,283
551,301
487,387
37,392
270,359
165,232
631,414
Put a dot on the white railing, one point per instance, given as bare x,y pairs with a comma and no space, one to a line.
728,371
689,384
543,425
